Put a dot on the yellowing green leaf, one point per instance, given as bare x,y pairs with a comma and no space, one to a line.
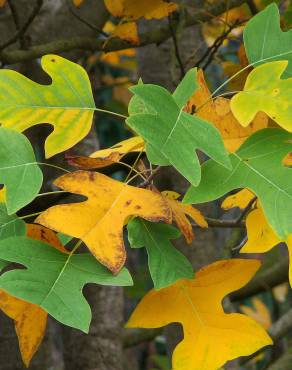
99,220
265,91
180,214
218,113
67,103
133,9
211,337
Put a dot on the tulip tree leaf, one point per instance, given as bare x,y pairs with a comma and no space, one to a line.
265,91
257,165
10,225
166,130
264,40
18,170
166,263
54,280
67,103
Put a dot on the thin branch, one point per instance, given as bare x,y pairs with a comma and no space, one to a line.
16,20
147,182
23,29
85,21
176,48
219,223
212,50
152,36
281,327
284,362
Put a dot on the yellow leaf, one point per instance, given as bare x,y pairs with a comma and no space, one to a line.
67,103
87,163
218,113
106,157
134,144
39,232
261,237
30,323
99,220
77,2
211,337
180,211
30,319
260,313
265,91
127,31
280,292
2,195
116,57
240,199
133,9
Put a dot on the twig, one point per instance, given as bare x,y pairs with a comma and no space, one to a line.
246,209
176,48
219,223
85,21
282,326
145,183
212,50
24,27
17,22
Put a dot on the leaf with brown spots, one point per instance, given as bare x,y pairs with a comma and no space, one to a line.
180,212
99,220
30,320
218,113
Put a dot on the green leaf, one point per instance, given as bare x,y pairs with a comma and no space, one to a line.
64,239
54,280
18,170
67,103
264,40
172,135
186,88
265,91
10,225
3,264
257,165
166,263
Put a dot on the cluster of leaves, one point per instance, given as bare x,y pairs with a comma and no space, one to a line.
247,139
